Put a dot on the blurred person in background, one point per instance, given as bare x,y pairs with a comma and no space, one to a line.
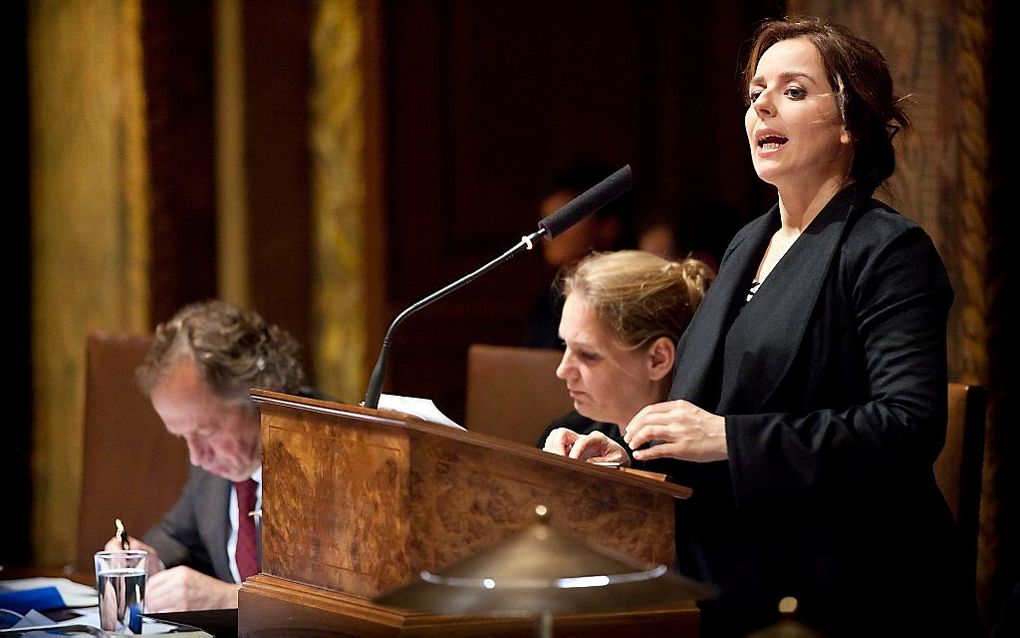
609,228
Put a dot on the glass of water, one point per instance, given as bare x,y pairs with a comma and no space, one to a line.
120,582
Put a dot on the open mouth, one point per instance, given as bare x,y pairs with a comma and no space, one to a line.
771,142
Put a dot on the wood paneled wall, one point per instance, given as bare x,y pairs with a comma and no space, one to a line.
485,101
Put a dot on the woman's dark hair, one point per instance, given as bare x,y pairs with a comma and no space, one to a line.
859,76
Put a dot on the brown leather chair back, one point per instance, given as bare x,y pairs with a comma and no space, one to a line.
958,466
132,468
513,392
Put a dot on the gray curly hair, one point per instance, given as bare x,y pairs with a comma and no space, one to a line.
235,350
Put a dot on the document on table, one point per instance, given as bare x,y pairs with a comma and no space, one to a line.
71,594
35,595
86,623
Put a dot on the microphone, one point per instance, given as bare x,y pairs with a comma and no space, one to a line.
588,202
555,224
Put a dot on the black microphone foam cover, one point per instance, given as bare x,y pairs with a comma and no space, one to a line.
588,202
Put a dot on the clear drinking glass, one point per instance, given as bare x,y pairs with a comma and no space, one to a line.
120,581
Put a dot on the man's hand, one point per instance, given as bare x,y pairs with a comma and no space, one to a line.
184,589
152,564
594,447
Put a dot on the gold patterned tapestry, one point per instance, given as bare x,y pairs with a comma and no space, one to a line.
89,229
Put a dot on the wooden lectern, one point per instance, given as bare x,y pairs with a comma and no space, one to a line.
356,502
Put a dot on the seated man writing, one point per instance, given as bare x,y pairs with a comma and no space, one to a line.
198,375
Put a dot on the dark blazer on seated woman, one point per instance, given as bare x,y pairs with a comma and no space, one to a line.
832,379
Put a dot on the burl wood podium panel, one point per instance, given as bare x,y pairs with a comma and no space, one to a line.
356,502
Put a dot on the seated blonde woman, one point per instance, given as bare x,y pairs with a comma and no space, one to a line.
623,315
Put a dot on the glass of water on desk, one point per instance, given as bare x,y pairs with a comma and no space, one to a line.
120,583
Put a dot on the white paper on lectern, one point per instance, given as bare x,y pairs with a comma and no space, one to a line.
424,409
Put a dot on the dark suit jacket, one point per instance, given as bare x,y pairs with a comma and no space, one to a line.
194,532
833,381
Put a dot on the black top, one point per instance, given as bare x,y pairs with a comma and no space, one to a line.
583,425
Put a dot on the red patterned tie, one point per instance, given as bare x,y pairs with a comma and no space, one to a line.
247,553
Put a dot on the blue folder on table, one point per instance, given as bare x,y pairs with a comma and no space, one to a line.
40,599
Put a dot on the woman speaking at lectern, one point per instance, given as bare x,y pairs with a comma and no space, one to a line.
809,397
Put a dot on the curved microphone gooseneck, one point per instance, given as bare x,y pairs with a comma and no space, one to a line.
555,224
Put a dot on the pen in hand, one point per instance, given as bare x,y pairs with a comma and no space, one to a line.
122,535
